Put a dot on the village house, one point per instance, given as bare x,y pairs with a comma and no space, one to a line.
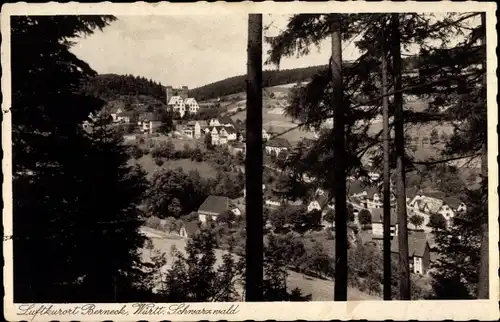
177,105
212,207
265,135
320,202
277,145
271,200
236,211
214,122
123,117
189,229
148,123
419,253
114,113
378,223
226,121
237,147
191,105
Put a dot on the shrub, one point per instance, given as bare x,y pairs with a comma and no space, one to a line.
159,162
153,222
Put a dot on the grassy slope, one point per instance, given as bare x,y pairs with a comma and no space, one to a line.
150,166
321,290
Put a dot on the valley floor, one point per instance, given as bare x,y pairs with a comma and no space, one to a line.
321,290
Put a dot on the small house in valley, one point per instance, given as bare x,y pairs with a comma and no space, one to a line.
378,223
419,253
212,207
189,229
277,145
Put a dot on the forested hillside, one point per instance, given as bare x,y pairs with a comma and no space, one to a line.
111,86
237,84
270,78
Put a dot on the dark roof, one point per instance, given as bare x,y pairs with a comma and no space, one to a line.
215,204
226,120
230,130
126,113
191,227
355,187
378,216
416,246
279,142
148,116
323,199
453,202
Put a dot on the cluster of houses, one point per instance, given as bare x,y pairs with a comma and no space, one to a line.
223,131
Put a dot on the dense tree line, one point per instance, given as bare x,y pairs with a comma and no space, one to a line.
75,214
111,86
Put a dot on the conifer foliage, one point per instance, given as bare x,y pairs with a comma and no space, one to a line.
75,220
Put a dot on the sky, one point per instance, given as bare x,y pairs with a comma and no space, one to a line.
190,50
178,50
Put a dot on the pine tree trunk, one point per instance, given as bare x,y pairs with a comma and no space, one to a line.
483,286
340,292
404,281
387,174
253,163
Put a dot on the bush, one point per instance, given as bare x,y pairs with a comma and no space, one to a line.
153,222
365,217
437,221
159,162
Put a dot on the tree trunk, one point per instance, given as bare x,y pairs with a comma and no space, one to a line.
404,281
483,286
253,163
387,174
340,292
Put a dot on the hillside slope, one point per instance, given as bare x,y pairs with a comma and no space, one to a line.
237,84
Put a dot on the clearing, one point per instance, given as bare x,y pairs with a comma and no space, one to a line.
149,165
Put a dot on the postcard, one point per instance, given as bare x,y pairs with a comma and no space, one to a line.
250,161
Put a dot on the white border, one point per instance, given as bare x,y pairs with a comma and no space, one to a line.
372,310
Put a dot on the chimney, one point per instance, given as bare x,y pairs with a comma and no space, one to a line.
184,92
168,91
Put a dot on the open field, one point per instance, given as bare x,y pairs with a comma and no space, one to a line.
321,290
149,165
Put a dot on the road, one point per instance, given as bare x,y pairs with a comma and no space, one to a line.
321,290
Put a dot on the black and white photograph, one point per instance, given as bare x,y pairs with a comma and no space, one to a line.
157,160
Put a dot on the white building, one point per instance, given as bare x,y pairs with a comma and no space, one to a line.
178,106
191,105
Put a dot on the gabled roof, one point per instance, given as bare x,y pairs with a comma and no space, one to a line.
230,130
175,99
203,123
148,116
433,204
215,204
378,216
191,227
126,113
416,246
226,120
453,202
189,100
323,199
